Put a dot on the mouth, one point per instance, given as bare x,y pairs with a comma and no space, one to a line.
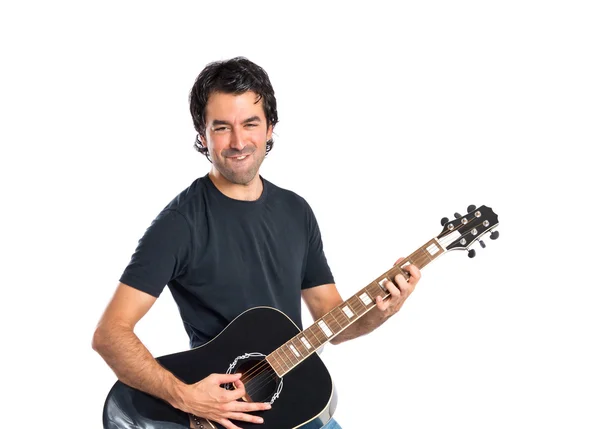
238,158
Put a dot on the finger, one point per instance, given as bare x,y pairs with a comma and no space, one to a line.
381,304
392,288
234,395
244,417
415,273
225,378
248,406
227,424
399,260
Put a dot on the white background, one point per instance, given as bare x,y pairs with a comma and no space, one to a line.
390,119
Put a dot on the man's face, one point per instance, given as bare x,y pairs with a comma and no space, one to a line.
236,135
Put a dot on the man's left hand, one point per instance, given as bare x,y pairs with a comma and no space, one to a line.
399,291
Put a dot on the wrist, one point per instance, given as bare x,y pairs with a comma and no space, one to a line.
177,393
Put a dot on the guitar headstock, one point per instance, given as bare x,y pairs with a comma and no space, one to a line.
462,232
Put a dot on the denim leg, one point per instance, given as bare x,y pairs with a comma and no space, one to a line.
332,424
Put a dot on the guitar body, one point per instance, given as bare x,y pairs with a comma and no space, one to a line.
304,398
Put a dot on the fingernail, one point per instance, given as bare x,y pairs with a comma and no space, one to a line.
260,420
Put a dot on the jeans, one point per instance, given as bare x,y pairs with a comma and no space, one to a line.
332,424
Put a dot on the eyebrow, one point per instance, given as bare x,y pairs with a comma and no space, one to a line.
245,121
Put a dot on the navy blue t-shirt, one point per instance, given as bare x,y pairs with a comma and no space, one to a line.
220,256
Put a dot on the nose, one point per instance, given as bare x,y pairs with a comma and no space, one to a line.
236,140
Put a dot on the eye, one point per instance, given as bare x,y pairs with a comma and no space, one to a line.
220,129
251,125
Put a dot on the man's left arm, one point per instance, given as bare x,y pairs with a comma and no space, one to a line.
322,299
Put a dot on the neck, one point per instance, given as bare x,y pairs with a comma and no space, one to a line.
250,191
286,357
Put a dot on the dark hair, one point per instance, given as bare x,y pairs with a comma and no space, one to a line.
234,76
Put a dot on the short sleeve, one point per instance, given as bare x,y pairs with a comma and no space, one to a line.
317,271
162,254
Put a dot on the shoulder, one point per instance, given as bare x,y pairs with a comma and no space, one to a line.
287,198
189,199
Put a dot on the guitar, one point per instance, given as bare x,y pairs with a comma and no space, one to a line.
278,361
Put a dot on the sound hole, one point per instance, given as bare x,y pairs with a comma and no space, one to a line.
259,379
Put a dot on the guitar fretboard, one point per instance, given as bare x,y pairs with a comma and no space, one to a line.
293,352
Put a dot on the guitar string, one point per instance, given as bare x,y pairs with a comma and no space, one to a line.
259,369
262,382
258,378
256,374
252,374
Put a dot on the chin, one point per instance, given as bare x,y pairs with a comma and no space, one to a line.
240,178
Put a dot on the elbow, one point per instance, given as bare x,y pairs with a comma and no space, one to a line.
99,340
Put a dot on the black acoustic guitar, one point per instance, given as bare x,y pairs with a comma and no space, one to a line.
280,365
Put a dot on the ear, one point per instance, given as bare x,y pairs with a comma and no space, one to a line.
269,132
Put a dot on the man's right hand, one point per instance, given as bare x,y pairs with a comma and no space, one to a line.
208,399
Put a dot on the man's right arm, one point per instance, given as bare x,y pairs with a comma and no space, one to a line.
134,365
122,350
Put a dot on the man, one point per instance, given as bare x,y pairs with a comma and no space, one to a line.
229,242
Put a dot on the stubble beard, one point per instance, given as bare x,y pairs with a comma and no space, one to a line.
239,177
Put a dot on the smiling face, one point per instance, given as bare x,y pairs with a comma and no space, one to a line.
236,135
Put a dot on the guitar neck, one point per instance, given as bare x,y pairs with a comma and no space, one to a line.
292,353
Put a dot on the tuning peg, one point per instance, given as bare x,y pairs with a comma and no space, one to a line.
482,244
472,253
494,235
471,208
444,221
457,215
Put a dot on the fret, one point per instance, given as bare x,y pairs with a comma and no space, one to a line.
291,355
365,298
325,328
432,248
316,342
357,305
284,360
307,345
426,258
352,305
319,334
276,367
375,290
294,350
395,271
280,363
401,266
381,281
300,346
419,257
331,323
339,318
348,312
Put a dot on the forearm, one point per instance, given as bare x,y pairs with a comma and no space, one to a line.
367,323
134,365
